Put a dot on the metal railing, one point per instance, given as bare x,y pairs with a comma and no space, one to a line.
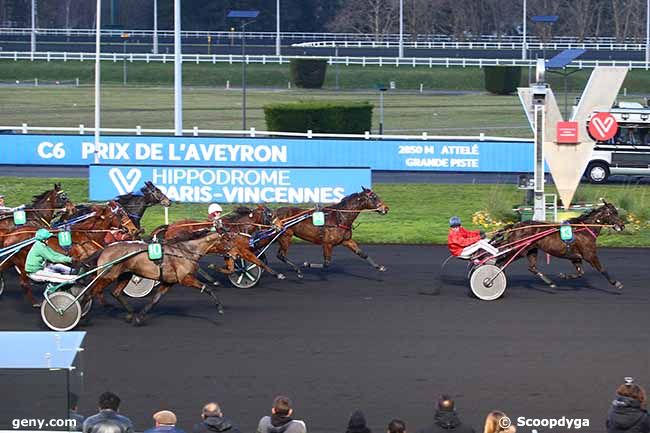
252,132
475,45
341,60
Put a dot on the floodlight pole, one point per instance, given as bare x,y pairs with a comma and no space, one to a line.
155,27
523,44
539,101
98,39
401,29
381,112
178,72
33,36
277,28
647,34
243,75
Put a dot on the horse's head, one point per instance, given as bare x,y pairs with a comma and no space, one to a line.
154,195
371,200
120,218
262,215
607,214
54,198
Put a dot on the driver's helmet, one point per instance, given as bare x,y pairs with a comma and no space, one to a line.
42,234
213,210
454,221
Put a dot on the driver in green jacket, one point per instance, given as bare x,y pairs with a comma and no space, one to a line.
45,264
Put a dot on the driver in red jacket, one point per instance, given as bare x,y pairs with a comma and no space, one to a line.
464,243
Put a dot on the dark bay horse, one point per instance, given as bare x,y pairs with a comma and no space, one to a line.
136,204
337,230
178,265
88,237
586,229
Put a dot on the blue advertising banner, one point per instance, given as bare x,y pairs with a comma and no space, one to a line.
408,155
231,184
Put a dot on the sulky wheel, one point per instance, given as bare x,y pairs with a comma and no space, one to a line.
2,283
86,301
139,287
485,285
246,275
64,312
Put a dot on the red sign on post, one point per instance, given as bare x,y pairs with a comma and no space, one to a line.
567,132
603,126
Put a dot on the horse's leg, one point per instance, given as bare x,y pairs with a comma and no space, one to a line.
577,263
202,272
283,249
354,247
27,289
531,256
593,259
117,294
191,281
161,290
248,255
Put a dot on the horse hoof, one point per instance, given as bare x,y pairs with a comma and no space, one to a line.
128,318
281,277
216,283
138,320
552,286
618,285
563,276
36,304
299,275
306,265
382,268
219,309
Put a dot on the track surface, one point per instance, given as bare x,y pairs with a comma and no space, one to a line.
353,338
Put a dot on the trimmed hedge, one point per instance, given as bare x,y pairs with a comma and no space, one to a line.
329,117
502,80
308,73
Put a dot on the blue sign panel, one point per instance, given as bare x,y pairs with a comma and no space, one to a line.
409,155
231,184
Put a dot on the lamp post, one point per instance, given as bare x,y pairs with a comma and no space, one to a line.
250,16
382,88
523,44
33,36
401,29
155,27
125,38
647,33
277,28
98,39
178,71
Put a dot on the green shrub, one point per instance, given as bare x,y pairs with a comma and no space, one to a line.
331,117
502,80
308,73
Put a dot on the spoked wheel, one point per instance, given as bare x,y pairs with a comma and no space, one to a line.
488,282
64,312
139,287
246,274
86,301
2,283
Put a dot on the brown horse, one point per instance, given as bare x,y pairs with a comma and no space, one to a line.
337,230
586,229
40,212
87,238
238,226
178,265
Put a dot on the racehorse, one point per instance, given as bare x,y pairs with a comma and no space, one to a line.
179,262
238,226
337,229
586,229
40,212
136,204
88,237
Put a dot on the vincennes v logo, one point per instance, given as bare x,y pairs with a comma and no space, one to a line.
125,183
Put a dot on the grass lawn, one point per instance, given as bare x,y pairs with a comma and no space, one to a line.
418,212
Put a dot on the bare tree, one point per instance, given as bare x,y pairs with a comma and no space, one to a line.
378,17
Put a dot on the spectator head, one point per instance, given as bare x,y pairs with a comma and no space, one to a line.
446,403
211,409
498,422
357,423
397,426
108,400
73,401
164,417
282,406
632,390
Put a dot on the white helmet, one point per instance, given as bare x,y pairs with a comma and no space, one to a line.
214,208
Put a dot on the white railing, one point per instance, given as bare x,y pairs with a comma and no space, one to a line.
476,45
341,60
24,31
196,132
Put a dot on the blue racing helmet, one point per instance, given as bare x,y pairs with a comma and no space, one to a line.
454,221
